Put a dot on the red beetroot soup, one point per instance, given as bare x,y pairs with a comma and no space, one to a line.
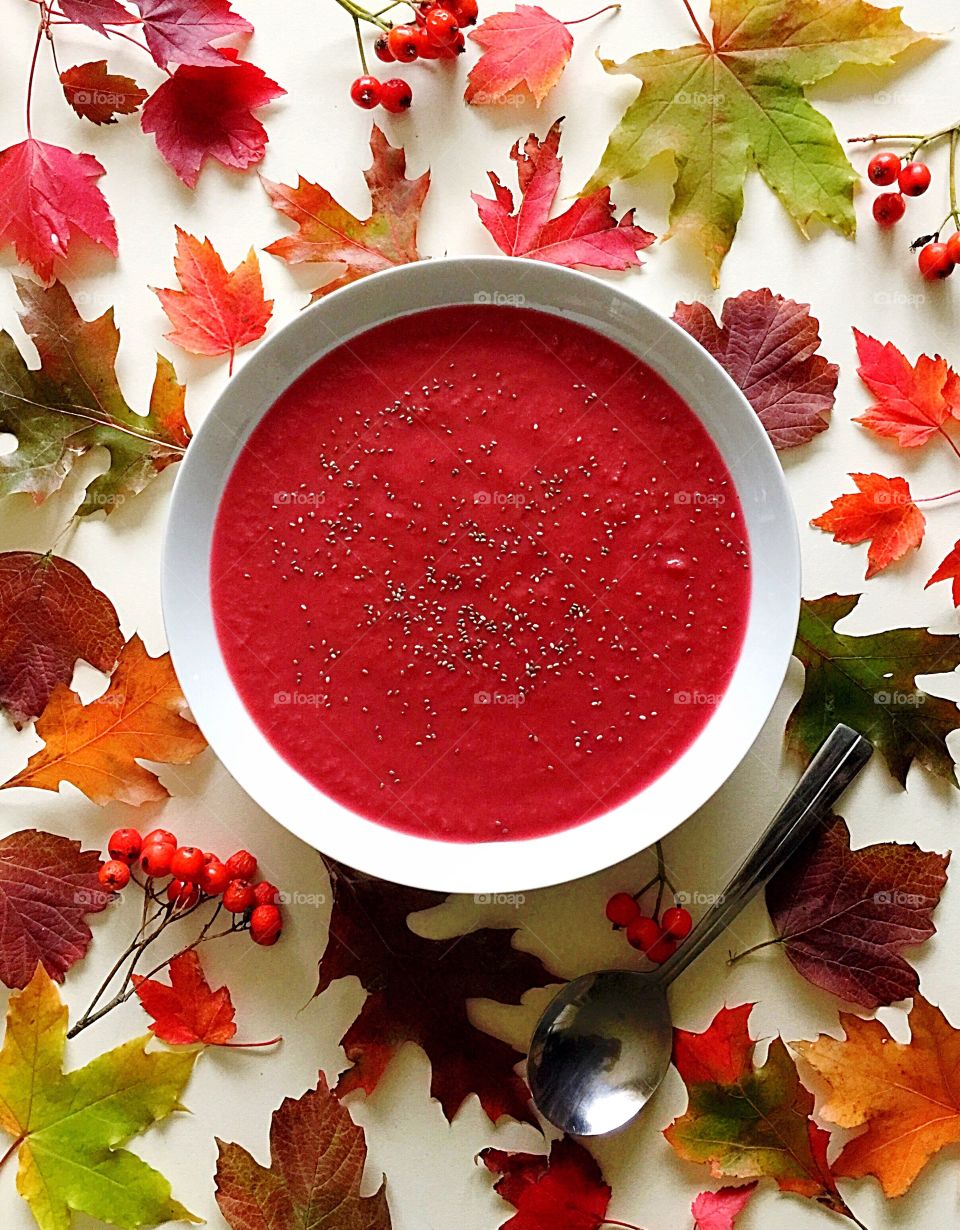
480,574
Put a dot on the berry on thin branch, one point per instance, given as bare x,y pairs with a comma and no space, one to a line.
655,934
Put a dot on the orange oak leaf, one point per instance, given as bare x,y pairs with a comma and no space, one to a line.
215,312
98,95
949,570
97,747
524,54
585,234
188,1010
882,513
914,400
906,1095
49,195
329,234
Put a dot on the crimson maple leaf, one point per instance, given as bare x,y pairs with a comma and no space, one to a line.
881,512
48,195
914,400
97,14
181,31
206,111
585,234
525,53
562,1191
949,570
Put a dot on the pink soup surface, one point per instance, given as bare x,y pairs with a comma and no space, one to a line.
480,574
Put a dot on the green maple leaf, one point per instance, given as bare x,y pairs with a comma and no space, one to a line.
870,682
73,403
68,1127
724,105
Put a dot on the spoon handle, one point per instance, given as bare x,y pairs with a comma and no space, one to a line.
838,761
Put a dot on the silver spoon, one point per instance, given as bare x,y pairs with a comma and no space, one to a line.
604,1043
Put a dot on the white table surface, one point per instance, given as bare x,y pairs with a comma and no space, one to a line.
307,45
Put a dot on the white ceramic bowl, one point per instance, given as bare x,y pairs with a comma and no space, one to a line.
503,866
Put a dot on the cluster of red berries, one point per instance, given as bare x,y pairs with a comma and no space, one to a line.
436,34
656,938
195,875
936,259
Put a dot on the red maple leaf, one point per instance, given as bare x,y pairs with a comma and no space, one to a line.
181,31
188,1010
883,513
97,14
719,1210
769,346
949,570
98,95
206,111
525,53
215,312
585,234
48,194
562,1191
913,400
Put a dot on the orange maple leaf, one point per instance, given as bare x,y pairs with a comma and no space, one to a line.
913,400
96,747
215,312
881,512
524,54
188,1010
949,570
905,1094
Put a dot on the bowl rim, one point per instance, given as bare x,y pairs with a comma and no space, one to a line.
487,869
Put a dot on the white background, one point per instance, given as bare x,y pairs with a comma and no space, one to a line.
307,45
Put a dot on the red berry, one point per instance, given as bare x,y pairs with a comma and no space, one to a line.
238,896
381,49
182,894
914,179
214,878
935,261
163,836
427,48
888,208
187,863
365,92
953,247
883,169
125,845
441,25
114,875
156,857
665,947
466,12
242,865
402,41
622,909
397,95
266,893
643,932
266,924
677,922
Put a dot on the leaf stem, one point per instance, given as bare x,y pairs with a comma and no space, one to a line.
609,8
932,499
13,1148
738,956
696,24
33,70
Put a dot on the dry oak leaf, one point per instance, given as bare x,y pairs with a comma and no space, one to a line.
564,1190
844,916
747,1122
587,233
206,111
317,1156
418,992
188,1010
881,512
524,54
73,403
97,747
181,31
50,617
329,234
215,312
49,195
69,1128
914,400
97,14
870,683
728,103
48,886
770,347
949,570
99,95
906,1095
